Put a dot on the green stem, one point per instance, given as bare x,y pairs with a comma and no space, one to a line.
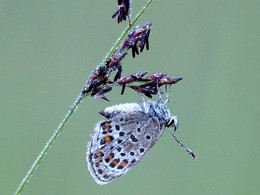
73,108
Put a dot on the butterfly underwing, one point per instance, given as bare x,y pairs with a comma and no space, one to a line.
120,142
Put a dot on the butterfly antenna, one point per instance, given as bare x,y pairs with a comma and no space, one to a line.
185,148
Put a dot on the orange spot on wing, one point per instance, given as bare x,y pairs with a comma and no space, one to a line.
107,139
100,154
123,163
110,157
115,162
107,126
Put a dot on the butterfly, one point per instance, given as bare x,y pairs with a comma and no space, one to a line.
120,142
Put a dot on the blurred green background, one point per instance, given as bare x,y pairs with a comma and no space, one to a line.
49,48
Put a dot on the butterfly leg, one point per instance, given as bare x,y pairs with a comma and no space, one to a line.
168,95
159,94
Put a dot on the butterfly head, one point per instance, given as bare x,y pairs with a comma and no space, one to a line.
173,122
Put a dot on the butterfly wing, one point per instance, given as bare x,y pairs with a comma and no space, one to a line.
119,143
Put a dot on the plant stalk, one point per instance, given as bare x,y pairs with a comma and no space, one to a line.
73,108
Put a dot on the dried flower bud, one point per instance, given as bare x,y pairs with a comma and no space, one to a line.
138,38
118,74
131,78
123,11
151,83
126,80
146,91
139,75
99,93
97,78
169,80
155,76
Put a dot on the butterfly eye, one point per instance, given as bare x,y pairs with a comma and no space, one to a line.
171,122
